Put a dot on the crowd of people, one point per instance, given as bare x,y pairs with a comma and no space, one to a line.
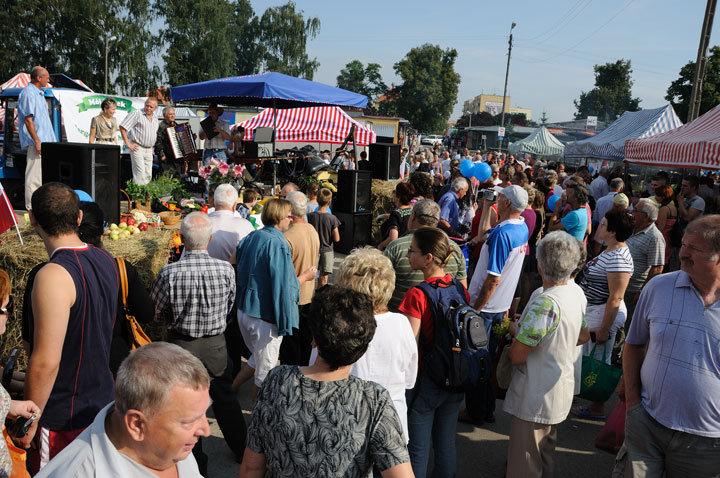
338,354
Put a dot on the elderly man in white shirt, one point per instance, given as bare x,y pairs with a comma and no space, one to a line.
227,228
161,395
139,132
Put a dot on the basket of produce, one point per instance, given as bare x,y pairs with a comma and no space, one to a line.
170,218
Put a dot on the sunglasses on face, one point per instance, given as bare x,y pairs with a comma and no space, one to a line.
8,309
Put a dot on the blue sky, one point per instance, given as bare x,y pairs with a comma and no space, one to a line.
556,43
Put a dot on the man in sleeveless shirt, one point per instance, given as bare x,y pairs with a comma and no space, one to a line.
74,302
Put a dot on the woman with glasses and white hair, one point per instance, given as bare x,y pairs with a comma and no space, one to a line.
544,353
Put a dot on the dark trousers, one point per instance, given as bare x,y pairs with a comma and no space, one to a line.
296,348
213,354
480,402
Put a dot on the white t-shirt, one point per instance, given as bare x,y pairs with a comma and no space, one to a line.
218,142
501,255
390,360
227,232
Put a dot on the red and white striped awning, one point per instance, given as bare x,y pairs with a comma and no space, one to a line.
21,80
320,124
692,145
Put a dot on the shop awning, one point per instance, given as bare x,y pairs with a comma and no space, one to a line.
540,142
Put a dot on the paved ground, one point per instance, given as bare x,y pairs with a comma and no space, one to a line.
481,451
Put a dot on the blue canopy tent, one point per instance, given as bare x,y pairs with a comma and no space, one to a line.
269,90
609,144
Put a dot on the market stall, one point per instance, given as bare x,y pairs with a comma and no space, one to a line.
317,124
541,142
609,144
693,145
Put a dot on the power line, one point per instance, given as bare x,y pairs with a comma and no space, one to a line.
552,31
587,37
561,21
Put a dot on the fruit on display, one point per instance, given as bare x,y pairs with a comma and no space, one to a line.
143,226
130,221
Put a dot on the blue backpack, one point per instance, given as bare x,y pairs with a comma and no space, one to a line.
458,358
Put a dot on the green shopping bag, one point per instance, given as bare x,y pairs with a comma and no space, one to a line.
599,379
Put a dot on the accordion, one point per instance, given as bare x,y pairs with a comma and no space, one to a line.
182,142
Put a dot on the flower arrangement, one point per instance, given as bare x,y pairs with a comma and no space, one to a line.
220,172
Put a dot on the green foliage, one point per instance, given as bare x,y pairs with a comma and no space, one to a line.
612,94
486,119
283,36
679,91
364,80
197,38
165,185
429,89
135,191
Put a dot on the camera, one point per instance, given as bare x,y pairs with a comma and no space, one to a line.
489,194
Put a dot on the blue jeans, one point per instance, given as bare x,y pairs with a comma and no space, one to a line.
213,153
480,403
432,412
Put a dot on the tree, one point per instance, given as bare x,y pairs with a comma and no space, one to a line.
283,40
364,80
678,94
612,94
248,52
197,38
429,88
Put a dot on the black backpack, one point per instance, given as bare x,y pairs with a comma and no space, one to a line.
458,358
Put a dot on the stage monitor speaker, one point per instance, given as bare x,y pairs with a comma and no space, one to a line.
93,168
353,191
385,161
355,230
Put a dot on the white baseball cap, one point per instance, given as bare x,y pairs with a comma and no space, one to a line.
517,196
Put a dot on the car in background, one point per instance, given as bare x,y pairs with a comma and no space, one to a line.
431,140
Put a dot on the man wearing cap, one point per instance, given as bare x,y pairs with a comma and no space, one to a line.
139,132
495,279
215,147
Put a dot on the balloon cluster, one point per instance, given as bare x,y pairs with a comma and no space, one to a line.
481,171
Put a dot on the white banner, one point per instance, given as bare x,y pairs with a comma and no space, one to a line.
493,107
80,107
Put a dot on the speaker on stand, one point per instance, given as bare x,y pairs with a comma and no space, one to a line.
355,230
93,168
353,191
385,161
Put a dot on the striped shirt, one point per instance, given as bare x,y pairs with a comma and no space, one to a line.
195,294
405,277
647,248
140,129
595,281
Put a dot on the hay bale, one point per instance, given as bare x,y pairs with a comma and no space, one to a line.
148,251
381,201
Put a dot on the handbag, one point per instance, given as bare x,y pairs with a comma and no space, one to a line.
136,335
503,371
612,435
599,379
18,456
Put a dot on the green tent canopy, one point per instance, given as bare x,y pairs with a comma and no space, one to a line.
540,142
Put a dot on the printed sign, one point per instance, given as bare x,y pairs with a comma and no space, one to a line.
592,121
501,132
80,107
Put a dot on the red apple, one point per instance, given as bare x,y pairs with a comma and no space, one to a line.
125,220
143,226
130,221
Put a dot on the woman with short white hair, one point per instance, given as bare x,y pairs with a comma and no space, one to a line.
544,352
392,357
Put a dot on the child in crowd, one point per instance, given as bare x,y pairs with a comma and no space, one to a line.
326,226
312,192
250,199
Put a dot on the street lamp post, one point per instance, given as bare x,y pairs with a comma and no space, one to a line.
507,72
107,40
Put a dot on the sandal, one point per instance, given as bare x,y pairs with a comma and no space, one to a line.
583,411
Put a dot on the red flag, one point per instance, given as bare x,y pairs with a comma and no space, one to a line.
7,214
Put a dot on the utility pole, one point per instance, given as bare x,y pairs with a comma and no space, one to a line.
701,63
507,72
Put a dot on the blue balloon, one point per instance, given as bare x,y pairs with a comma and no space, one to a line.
466,168
591,169
482,171
552,201
83,196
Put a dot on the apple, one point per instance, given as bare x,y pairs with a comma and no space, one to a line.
130,221
143,226
123,225
123,220
113,226
134,230
114,237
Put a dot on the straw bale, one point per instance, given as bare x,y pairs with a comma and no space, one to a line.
148,251
381,201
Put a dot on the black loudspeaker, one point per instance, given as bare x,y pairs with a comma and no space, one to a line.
251,149
355,230
353,191
385,161
93,168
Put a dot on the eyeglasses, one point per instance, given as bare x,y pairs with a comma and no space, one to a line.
8,309
410,251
